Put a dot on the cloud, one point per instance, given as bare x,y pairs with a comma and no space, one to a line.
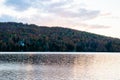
82,14
106,14
22,5
9,14
66,9
49,11
87,26
60,8
6,18
19,5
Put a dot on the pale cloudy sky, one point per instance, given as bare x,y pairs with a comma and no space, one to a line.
96,16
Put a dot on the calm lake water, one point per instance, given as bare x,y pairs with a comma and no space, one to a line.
70,67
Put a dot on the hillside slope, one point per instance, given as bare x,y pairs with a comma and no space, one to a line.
25,37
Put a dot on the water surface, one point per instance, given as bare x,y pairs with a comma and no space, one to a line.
60,67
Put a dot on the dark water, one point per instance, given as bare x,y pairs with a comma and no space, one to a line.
60,67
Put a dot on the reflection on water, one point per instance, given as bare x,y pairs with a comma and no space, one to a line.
79,67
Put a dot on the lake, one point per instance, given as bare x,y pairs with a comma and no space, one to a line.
59,67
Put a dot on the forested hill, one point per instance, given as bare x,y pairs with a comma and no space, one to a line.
30,37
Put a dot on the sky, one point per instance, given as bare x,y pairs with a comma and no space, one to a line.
95,16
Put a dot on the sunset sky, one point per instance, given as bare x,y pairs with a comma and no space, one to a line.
96,16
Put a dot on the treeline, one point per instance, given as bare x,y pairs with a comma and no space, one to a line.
30,37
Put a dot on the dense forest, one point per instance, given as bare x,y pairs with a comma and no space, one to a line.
29,37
